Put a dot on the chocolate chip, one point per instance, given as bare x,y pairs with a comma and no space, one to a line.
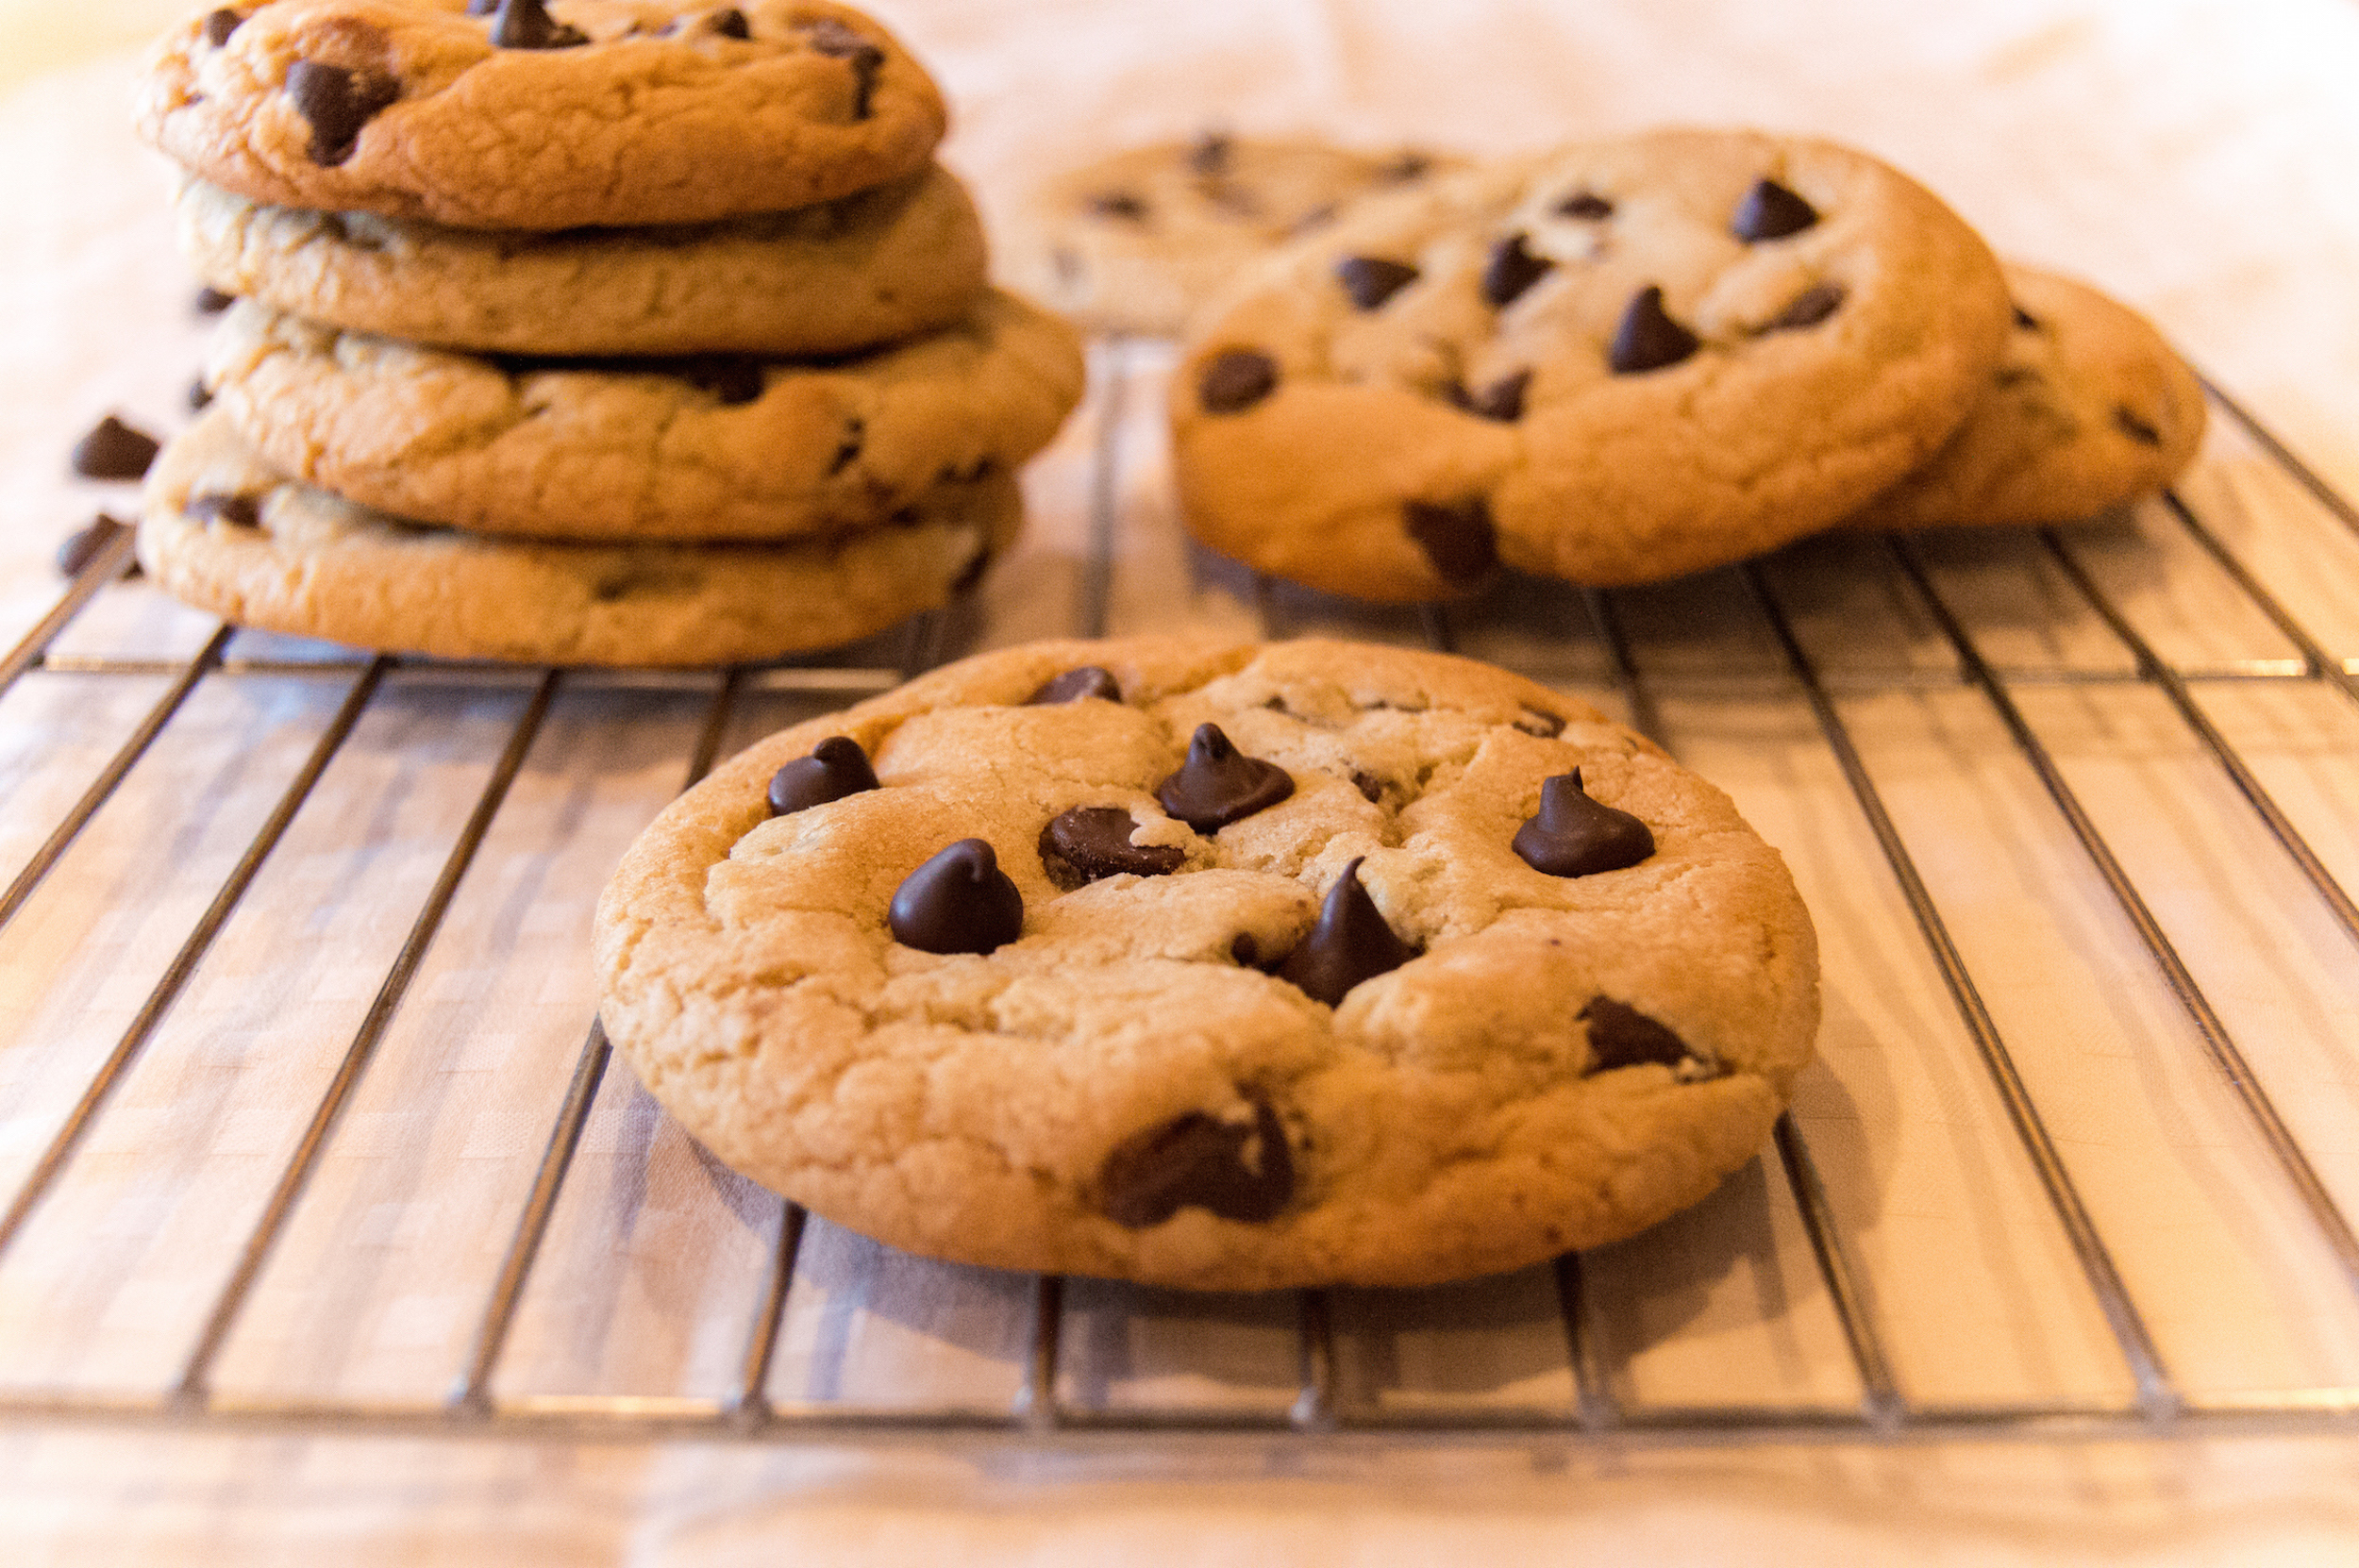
1503,400
212,302
1210,154
1350,943
2126,420
731,23
1807,309
337,102
1090,680
200,395
836,767
847,450
1198,1162
1649,339
1402,169
1459,540
243,511
220,23
1770,211
1584,204
1090,843
732,377
1367,784
1236,380
2025,319
1512,270
1370,280
1117,204
81,546
1576,836
112,450
1246,951
1621,1035
526,24
1218,784
836,41
958,902
1535,722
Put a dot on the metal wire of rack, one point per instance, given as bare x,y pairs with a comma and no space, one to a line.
1322,1407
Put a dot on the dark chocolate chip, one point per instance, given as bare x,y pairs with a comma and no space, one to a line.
1350,943
1576,836
836,41
220,23
1093,841
1210,154
1367,784
1118,204
1648,338
1584,204
1090,680
958,902
1403,169
731,23
337,102
200,395
835,768
1511,269
1503,400
1236,380
81,546
243,511
113,450
1246,951
1459,540
1621,1035
2126,420
2025,319
527,25
1770,211
732,377
1197,1161
1807,309
1535,722
1370,280
212,302
847,451
1218,784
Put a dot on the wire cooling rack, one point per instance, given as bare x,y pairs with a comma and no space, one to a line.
2077,811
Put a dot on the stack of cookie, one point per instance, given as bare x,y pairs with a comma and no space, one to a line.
615,332
1633,359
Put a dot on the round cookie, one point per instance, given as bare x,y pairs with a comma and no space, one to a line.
873,267
229,533
1136,242
1613,363
609,112
1221,967
2088,410
713,448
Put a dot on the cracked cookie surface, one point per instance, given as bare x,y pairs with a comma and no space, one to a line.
584,113
225,530
878,265
712,449
2089,410
809,960
1617,362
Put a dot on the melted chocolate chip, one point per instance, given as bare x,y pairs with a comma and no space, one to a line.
1511,269
1197,1161
1503,400
833,38
220,23
1236,380
1218,784
958,902
1770,211
200,395
527,25
1648,338
1368,785
1118,204
1621,1035
1584,204
835,768
81,546
1090,680
1370,280
337,102
1576,836
1459,540
1807,309
1210,154
2126,420
212,302
2025,319
731,23
1090,843
243,511
113,450
1350,943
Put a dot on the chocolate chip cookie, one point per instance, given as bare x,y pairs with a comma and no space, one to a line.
1214,966
1614,364
2088,410
885,264
227,532
1134,242
714,447
521,115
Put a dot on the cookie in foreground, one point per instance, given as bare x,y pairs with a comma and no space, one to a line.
1227,967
